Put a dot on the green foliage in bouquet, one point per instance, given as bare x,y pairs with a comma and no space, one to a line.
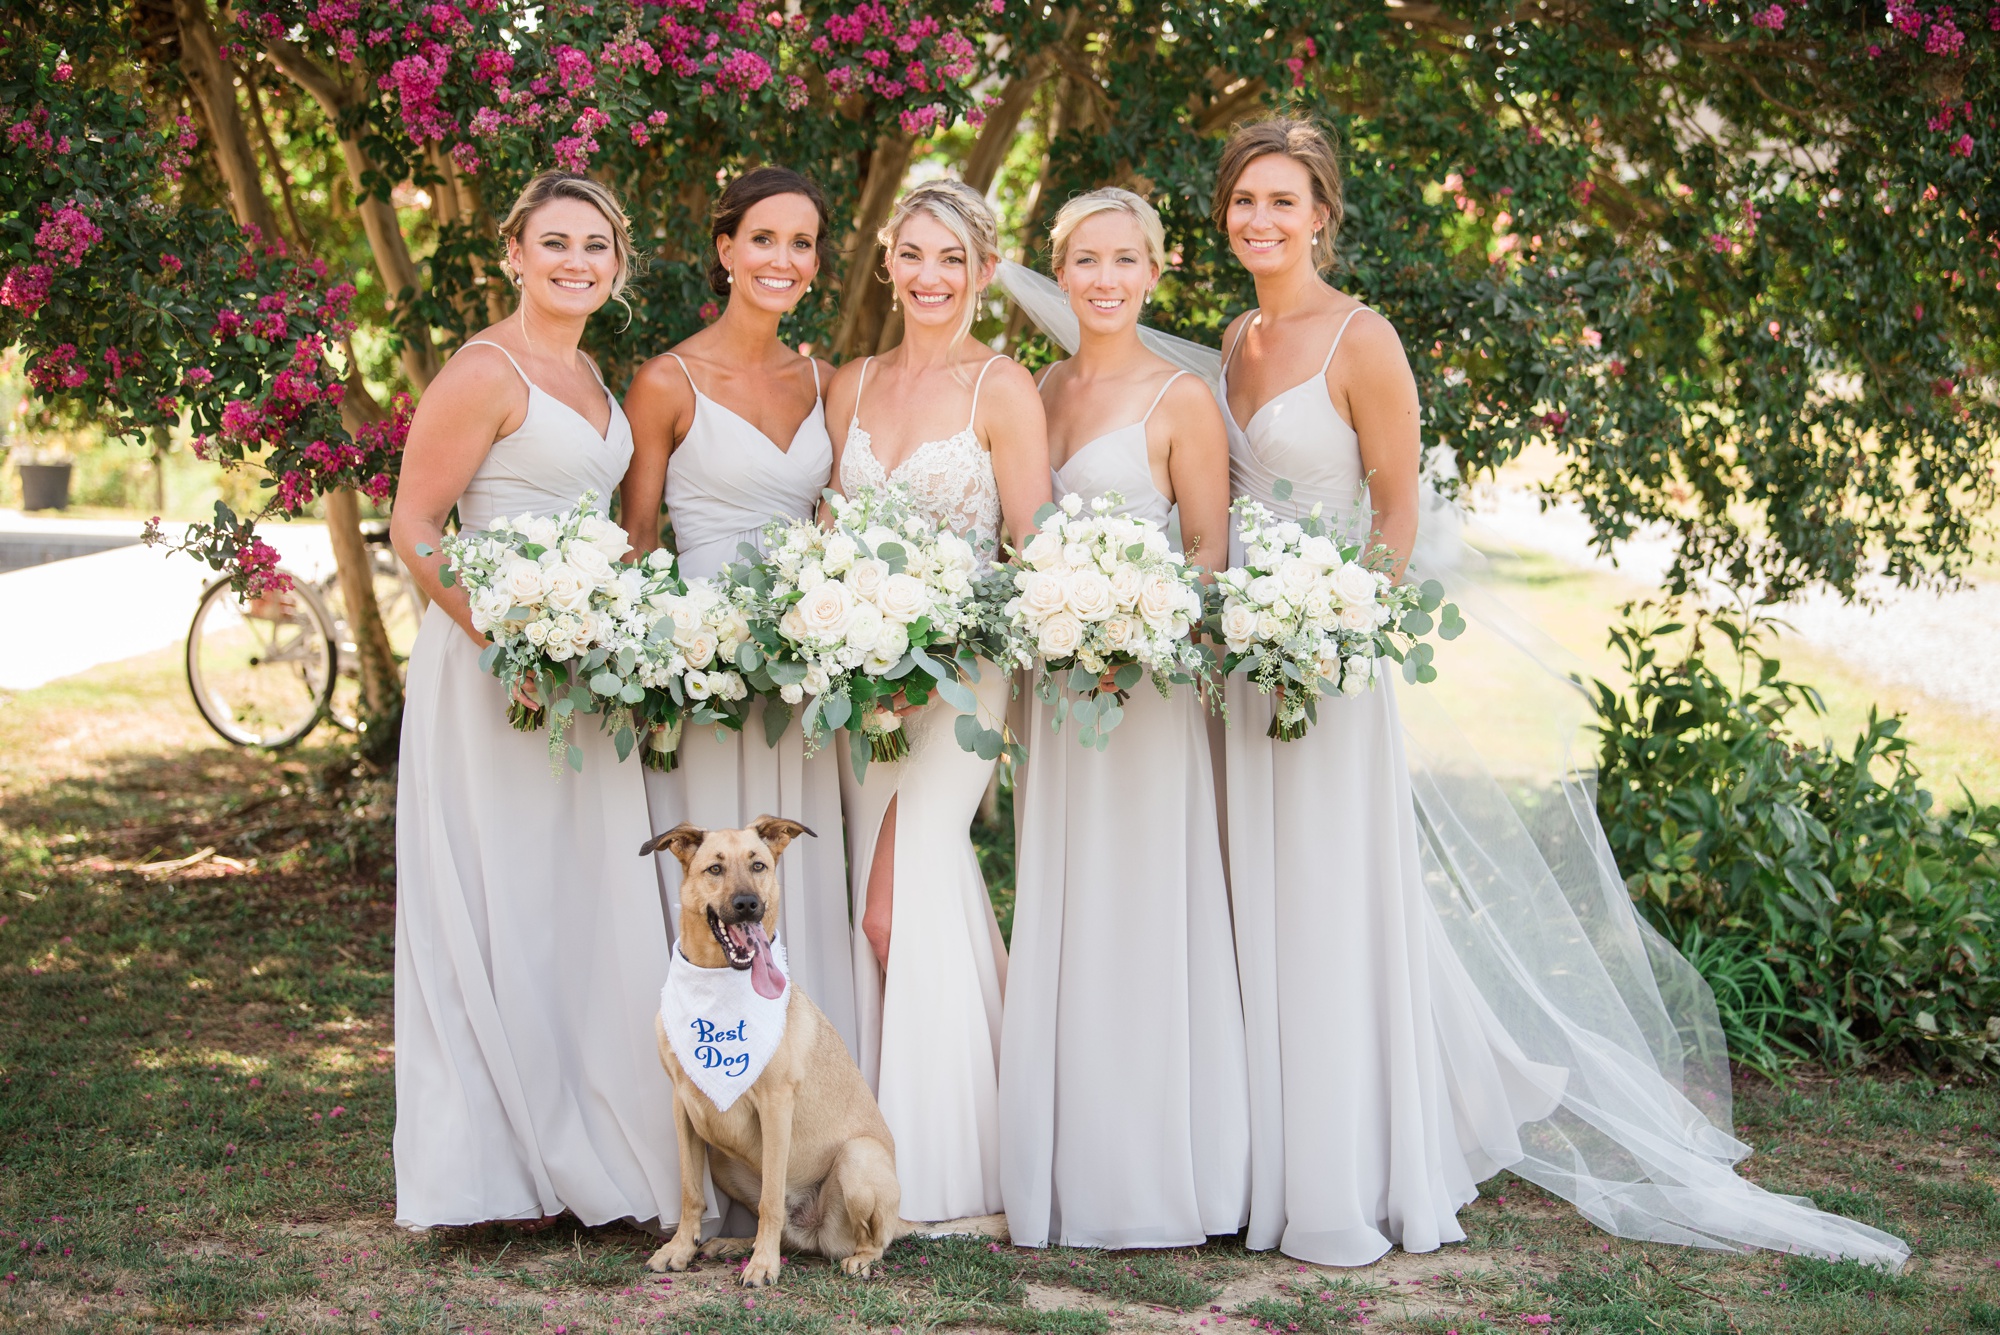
1836,910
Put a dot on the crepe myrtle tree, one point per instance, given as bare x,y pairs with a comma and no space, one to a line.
1739,263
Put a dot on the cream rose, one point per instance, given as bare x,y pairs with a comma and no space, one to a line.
1239,625
1060,636
537,633
791,692
521,581
1126,581
567,588
1160,599
1042,550
1321,551
1266,589
866,577
1358,616
1355,583
589,562
892,641
864,626
903,598
823,611
1089,595
700,648
1122,632
1270,627
1297,576
839,554
1041,594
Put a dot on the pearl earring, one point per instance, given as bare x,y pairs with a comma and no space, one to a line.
731,277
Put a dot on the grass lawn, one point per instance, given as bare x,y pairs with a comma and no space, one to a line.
196,1097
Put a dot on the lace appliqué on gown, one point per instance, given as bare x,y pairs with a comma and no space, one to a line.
951,481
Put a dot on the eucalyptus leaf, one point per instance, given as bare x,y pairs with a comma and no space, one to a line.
623,739
966,729
836,710
1128,676
1281,489
958,695
777,718
576,757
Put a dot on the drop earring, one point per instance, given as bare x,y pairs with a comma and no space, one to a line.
731,278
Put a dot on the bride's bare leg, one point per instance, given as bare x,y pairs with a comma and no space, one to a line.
880,913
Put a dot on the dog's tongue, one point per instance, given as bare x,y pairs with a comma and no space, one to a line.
764,975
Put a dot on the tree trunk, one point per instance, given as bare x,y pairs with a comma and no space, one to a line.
214,89
381,686
378,216
864,298
996,136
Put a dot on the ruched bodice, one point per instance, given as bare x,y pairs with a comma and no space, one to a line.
1118,462
547,462
727,480
1298,437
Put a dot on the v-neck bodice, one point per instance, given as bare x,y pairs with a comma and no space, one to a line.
727,479
1297,436
547,462
1118,461
951,480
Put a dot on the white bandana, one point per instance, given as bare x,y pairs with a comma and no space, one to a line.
722,1031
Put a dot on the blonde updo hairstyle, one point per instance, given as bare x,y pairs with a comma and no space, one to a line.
1304,142
554,185
1111,199
963,212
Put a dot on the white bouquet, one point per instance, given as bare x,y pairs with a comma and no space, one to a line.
688,665
1103,594
847,619
567,618
1307,615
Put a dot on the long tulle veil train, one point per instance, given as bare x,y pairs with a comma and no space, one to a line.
1525,894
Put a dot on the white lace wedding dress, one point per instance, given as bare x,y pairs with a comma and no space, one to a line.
930,1031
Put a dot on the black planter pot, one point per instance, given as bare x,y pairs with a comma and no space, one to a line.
44,486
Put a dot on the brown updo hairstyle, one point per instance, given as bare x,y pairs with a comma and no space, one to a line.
1304,142
751,188
554,185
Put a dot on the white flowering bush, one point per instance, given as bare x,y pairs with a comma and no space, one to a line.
566,616
1100,594
846,619
1308,615
689,667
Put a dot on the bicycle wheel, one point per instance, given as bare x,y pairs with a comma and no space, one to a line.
396,598
261,669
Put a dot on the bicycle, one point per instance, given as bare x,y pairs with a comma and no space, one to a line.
266,671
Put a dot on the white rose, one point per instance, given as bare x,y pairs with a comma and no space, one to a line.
1270,627
1321,551
1122,633
810,577
604,535
1078,556
864,626
1297,576
839,554
567,588
816,680
955,554
1041,594
1358,616
1355,583
1239,624
892,641
589,562
1327,666
823,611
521,581
1357,674
1126,581
537,632
1072,505
1259,557
1286,534
1160,598
559,647
490,608
791,692
701,647
659,560
1089,595
1266,589
877,534
539,530
791,625
903,598
1060,636
866,577
955,581
1042,550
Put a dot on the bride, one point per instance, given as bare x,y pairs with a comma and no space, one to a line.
1439,981
962,428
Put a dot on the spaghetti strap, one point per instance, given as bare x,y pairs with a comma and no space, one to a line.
1241,334
689,374
815,366
1161,395
1338,335
489,343
973,416
854,417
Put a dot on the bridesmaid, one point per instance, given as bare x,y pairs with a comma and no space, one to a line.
731,422
962,429
529,945
1124,1109
1364,1133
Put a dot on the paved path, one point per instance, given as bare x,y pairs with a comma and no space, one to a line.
69,616
1947,645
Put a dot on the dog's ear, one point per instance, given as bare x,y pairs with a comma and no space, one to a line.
681,841
778,832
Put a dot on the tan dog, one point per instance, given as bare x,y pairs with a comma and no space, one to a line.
806,1144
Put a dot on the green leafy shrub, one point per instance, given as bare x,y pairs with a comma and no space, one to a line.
1834,907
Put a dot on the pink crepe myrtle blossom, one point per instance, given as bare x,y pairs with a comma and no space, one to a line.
66,234
58,369
26,287
1772,19
1963,148
197,376
257,563
1944,38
